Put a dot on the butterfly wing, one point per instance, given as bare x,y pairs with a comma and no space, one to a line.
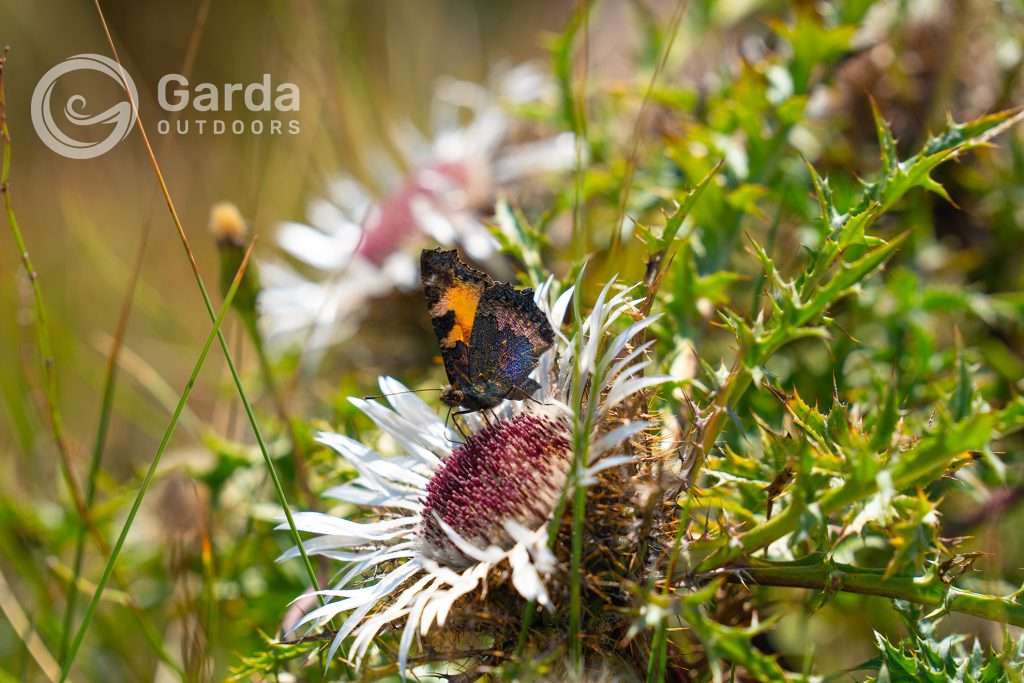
508,337
453,291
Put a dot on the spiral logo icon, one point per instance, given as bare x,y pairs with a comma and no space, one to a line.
121,117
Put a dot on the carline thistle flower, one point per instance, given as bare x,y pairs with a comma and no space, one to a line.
450,511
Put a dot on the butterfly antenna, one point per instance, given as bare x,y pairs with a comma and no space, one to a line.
396,393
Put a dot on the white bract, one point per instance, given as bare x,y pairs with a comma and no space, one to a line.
450,512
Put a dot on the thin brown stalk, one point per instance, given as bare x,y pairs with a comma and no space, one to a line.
109,384
211,312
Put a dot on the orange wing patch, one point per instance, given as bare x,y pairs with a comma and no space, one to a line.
461,299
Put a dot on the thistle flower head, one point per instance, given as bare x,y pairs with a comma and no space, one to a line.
451,512
513,470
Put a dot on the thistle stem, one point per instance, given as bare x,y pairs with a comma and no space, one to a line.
923,590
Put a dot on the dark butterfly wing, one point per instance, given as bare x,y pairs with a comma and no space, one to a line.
453,291
509,335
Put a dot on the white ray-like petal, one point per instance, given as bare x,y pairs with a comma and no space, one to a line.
411,624
407,404
351,197
358,495
490,555
394,611
359,456
356,617
405,433
368,595
561,306
607,463
432,220
618,435
592,331
322,523
459,585
627,373
360,567
389,473
623,390
342,548
627,361
525,578
543,156
623,338
316,248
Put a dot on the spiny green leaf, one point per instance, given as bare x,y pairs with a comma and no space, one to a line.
935,452
923,658
839,429
913,536
963,394
886,142
886,421
823,193
974,132
1011,418
682,210
732,644
848,276
809,419
915,171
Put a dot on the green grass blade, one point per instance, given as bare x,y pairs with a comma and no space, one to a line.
208,304
96,457
150,473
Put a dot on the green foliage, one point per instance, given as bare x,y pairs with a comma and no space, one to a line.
937,661
840,305
274,658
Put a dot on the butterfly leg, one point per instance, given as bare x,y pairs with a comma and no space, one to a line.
458,426
466,412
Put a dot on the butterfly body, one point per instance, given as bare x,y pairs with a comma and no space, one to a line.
491,334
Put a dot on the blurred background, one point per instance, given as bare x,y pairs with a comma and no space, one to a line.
359,67
370,76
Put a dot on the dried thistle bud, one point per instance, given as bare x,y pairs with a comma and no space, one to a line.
231,233
227,224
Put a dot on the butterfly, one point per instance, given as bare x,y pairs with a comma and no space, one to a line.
491,334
